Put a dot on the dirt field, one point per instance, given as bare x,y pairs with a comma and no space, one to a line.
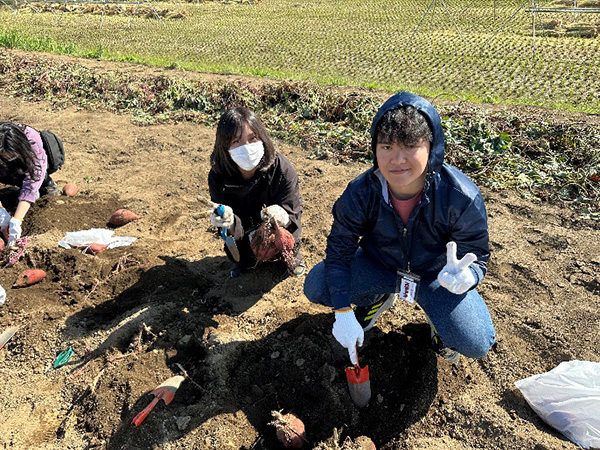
255,344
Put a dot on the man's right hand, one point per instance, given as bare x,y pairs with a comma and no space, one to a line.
348,332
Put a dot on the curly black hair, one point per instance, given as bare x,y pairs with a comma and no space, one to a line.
404,125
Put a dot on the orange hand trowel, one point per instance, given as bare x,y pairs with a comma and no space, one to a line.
359,384
165,391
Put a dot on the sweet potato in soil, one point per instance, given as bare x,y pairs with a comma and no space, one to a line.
360,443
271,241
289,430
123,216
70,189
29,277
95,248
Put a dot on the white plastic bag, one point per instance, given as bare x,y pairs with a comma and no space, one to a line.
568,399
94,235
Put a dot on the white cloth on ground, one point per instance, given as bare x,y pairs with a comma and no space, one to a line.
75,239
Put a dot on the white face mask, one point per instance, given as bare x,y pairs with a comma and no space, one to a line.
248,156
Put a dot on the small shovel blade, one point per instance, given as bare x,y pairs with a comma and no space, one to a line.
359,385
166,391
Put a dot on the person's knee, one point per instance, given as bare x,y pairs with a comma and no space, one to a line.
315,288
477,348
311,287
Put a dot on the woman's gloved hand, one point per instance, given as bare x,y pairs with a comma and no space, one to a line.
224,220
348,332
14,231
456,276
4,218
278,213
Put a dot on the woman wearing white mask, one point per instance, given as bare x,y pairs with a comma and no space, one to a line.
246,175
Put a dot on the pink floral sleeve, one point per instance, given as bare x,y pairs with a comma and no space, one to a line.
31,187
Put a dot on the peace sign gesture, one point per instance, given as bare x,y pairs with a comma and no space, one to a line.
456,275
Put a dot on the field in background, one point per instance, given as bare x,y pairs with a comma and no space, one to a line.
476,50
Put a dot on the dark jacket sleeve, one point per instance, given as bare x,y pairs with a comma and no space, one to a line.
350,222
470,232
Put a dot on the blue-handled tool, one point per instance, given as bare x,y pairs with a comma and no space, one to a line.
229,240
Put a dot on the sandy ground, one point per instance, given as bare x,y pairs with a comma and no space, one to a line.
136,315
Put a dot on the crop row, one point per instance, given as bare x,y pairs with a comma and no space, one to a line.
469,50
547,160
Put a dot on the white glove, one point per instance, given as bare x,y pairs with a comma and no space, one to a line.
14,231
456,275
224,220
4,218
348,333
278,213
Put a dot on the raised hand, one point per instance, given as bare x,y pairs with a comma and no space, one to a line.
456,276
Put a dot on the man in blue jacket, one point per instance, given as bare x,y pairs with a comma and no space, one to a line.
397,230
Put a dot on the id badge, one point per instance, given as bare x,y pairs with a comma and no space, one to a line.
407,284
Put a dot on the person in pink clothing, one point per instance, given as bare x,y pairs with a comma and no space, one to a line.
23,163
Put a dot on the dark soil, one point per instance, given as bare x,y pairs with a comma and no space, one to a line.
136,315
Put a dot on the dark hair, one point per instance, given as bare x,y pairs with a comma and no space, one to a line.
229,127
404,125
16,154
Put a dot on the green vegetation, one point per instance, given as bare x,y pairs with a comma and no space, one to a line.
367,43
542,160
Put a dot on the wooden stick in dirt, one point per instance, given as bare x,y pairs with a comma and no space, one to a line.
185,374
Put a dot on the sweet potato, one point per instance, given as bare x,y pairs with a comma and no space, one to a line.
70,189
95,248
2,244
123,216
289,430
29,277
271,241
359,443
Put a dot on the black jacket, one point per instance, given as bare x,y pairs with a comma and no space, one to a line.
278,185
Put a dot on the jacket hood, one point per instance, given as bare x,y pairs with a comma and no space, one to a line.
436,154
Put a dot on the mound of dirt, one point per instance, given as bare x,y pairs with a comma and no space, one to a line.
138,315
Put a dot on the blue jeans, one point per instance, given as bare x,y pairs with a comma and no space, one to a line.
462,321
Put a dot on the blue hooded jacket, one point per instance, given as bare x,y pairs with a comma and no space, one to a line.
451,209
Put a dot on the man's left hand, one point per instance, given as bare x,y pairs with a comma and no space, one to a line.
456,276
